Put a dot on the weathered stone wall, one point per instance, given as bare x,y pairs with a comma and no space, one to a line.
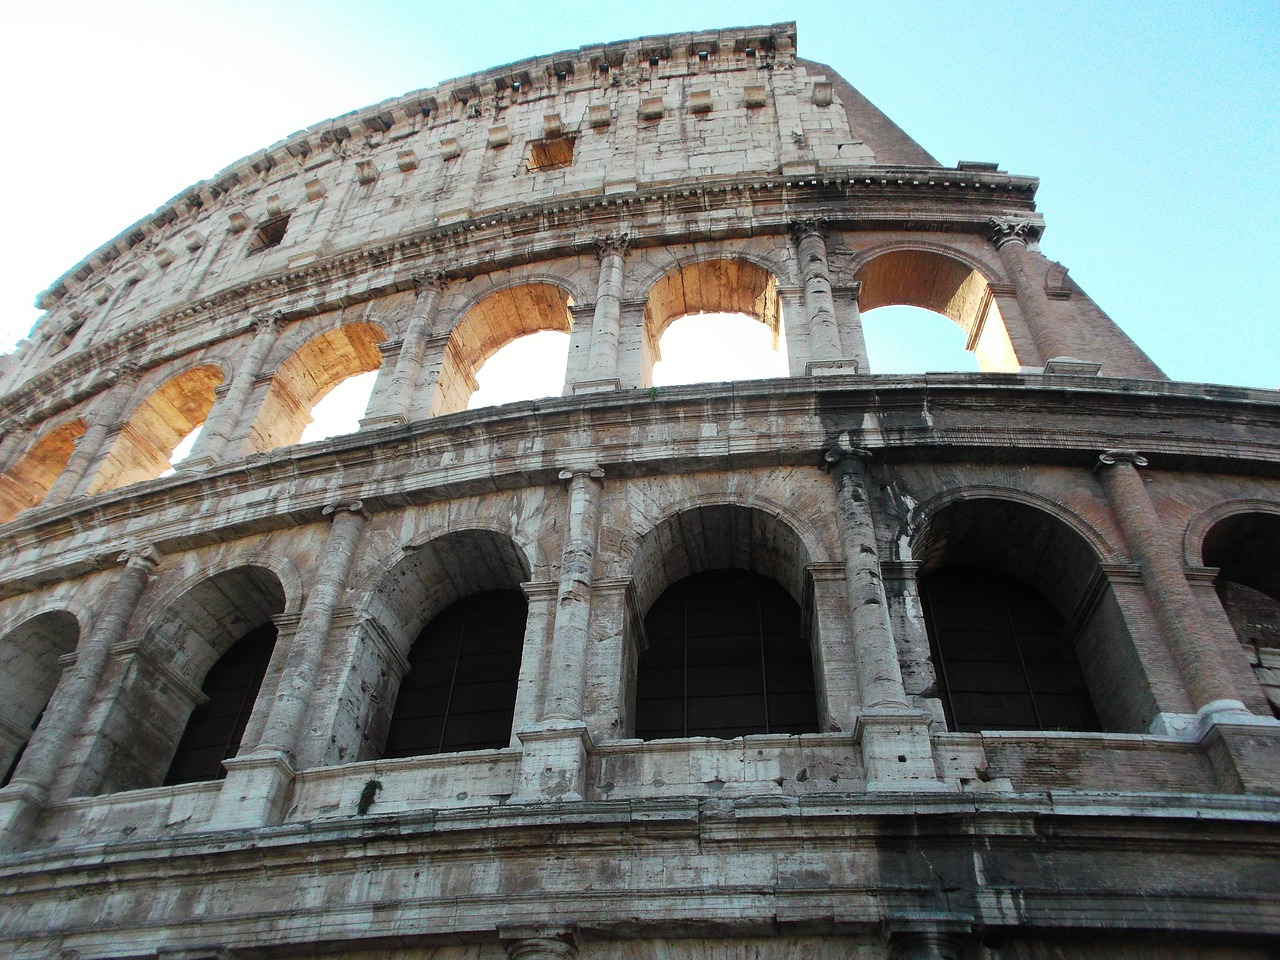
425,233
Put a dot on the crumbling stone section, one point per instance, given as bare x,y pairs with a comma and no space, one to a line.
605,193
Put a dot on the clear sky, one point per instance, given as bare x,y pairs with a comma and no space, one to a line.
1155,128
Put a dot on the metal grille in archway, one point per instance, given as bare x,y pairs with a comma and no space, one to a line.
1003,660
726,658
460,692
213,733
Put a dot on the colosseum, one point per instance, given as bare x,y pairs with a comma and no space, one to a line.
473,683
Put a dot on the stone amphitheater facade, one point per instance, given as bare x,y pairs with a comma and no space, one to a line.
897,802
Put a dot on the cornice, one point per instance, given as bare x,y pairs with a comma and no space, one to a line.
850,199
529,79
1060,425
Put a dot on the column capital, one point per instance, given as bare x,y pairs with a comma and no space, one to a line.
617,243
430,280
335,510
592,472
127,374
267,322
810,227
1109,458
535,943
1021,230
140,556
833,455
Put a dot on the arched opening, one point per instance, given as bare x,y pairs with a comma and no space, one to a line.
454,613
216,727
727,648
29,672
188,701
714,320
726,658
1003,660
460,691
944,285
28,482
501,318
1246,550
1023,626
903,339
309,375
524,369
146,442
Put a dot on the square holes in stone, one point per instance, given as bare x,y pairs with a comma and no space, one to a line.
269,234
553,153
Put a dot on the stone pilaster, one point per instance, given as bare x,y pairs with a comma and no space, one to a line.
75,691
555,749
602,362
394,404
896,750
256,784
103,424
1011,236
819,305
1189,634
228,409
15,435
849,321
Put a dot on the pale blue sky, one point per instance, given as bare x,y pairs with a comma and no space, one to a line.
1155,129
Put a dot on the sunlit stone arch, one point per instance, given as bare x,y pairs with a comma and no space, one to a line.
27,482
157,424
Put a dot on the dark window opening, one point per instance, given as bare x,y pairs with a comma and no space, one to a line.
726,658
270,234
460,691
213,733
553,153
1002,659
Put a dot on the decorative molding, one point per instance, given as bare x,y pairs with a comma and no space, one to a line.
613,243
1021,230
1110,458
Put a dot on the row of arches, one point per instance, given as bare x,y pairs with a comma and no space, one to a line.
730,297
1010,611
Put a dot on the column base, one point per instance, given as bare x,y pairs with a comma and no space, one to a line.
1243,748
554,763
1071,367
254,793
21,805
596,386
897,753
386,420
820,368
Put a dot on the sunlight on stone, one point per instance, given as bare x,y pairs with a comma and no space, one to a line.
342,410
524,369
714,347
914,340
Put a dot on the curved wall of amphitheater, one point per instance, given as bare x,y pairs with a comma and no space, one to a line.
908,809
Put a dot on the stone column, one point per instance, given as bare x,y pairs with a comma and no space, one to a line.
896,750
76,689
573,601
602,363
1010,235
820,309
103,421
257,784
303,664
555,750
396,404
1183,623
539,943
229,407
